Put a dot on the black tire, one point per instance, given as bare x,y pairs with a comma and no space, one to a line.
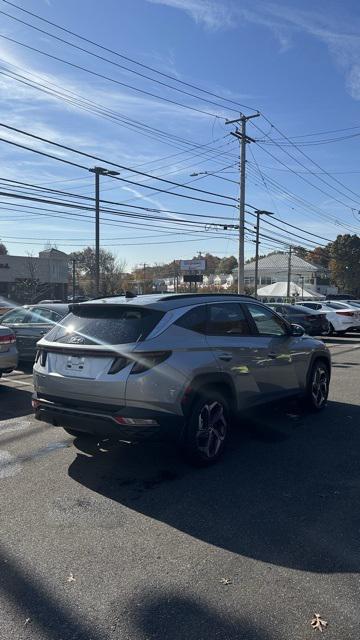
207,427
331,330
318,386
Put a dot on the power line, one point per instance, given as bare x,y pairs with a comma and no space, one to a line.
303,202
113,80
116,64
135,214
80,102
114,164
128,59
316,164
304,179
192,214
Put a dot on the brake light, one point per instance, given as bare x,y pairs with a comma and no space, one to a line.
9,338
118,364
146,361
41,355
345,313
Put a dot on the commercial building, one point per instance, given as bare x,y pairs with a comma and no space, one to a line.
28,279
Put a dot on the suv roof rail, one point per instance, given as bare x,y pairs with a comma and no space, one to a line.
174,296
126,294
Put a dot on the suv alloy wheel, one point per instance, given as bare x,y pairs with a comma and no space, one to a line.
318,386
207,428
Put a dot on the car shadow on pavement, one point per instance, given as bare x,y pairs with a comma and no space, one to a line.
25,366
172,615
286,491
14,402
34,605
37,606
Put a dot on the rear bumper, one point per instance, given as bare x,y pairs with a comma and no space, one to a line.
320,330
100,421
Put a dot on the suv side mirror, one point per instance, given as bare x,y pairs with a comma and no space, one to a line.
296,330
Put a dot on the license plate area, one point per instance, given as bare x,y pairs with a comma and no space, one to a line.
75,363
72,365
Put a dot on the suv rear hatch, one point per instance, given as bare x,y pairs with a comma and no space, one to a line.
88,355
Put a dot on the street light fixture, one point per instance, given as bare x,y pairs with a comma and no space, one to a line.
99,171
259,213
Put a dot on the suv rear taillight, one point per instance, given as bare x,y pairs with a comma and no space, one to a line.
41,356
345,313
118,364
9,338
145,361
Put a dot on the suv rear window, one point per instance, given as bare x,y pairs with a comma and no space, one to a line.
104,325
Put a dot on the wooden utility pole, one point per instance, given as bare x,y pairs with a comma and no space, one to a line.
241,135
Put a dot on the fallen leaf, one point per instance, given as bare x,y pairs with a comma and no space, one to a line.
225,581
71,578
318,623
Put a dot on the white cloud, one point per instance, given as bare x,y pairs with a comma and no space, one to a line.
212,13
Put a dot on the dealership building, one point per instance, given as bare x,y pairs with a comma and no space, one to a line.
28,279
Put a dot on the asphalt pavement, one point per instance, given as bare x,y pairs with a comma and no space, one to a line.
104,541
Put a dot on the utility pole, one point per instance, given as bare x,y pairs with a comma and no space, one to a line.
302,278
289,273
175,278
241,135
144,277
259,213
98,171
73,278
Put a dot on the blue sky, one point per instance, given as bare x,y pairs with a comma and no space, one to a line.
298,65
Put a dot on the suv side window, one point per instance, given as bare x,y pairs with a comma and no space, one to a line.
227,319
267,323
194,320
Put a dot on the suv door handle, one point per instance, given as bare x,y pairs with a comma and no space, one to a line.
225,356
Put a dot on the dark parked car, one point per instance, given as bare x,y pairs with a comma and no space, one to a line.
30,323
314,322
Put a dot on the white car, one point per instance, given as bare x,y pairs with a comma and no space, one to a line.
349,308
8,351
342,317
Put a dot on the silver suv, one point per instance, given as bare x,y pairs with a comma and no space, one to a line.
178,365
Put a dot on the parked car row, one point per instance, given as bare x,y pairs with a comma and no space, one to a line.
322,318
175,364
30,323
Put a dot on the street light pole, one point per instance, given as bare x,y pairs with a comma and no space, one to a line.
257,241
98,171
